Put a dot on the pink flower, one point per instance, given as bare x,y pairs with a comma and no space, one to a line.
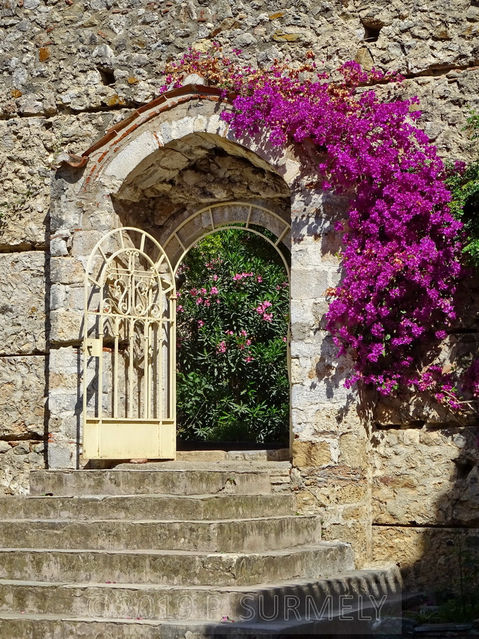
199,300
241,276
267,317
259,279
214,290
179,308
243,333
262,307
221,348
215,277
200,323
249,358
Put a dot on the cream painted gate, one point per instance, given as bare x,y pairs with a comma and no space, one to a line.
129,349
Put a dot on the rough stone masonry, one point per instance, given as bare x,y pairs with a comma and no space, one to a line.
398,483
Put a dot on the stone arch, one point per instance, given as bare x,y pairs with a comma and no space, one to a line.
176,114
138,175
245,216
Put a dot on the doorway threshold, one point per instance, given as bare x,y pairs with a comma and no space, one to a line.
248,455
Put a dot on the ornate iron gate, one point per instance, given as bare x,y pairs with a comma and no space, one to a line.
129,349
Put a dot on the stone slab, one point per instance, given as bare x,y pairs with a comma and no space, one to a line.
324,559
247,535
193,603
166,478
161,507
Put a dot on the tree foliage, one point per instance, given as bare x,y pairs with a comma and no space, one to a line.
463,181
232,341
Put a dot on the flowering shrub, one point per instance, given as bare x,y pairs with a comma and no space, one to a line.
401,244
232,326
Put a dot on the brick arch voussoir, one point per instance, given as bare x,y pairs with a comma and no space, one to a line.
113,158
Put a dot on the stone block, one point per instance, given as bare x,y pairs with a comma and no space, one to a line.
308,283
22,306
61,455
66,326
132,154
66,270
328,417
329,487
357,533
311,453
84,242
65,361
64,425
22,380
315,390
322,250
353,449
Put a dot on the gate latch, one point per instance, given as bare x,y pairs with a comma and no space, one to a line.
93,347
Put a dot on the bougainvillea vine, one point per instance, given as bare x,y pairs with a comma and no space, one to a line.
401,244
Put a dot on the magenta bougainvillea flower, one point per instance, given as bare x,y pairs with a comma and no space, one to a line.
401,244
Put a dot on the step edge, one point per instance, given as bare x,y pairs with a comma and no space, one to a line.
206,522
383,570
319,546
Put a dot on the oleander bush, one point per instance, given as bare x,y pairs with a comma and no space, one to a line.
232,341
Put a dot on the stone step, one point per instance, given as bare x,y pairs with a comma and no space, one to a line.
174,567
364,588
165,478
45,626
55,627
220,455
153,507
247,535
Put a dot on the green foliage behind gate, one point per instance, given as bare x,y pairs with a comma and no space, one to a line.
232,341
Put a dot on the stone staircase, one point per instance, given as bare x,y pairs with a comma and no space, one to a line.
175,550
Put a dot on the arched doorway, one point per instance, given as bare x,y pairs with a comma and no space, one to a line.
233,388
152,171
129,381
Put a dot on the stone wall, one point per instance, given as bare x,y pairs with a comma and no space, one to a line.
72,69
425,496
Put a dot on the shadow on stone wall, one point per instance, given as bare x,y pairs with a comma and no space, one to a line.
425,474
